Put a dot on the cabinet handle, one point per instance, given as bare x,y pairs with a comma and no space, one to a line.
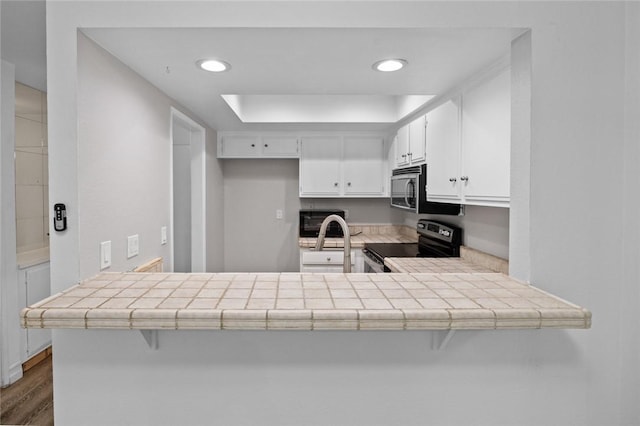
404,155
253,145
348,183
452,179
335,184
266,145
464,178
328,259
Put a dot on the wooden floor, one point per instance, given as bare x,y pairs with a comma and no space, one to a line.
29,401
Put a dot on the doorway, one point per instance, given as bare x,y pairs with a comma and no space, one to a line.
188,233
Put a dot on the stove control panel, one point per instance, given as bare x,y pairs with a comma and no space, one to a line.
440,231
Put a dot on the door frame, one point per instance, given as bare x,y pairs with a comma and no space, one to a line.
198,190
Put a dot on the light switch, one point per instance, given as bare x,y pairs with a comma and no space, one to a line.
132,246
163,235
105,254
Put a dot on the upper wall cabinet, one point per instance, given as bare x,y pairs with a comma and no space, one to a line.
469,146
342,166
410,144
252,145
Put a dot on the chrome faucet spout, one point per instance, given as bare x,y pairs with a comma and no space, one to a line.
346,266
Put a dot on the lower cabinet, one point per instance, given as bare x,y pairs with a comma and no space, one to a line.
35,285
329,260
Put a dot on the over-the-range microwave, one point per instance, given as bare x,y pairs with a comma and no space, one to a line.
409,192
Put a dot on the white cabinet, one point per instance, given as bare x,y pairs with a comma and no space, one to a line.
320,166
410,146
35,286
443,152
364,166
468,146
330,260
486,142
249,145
342,166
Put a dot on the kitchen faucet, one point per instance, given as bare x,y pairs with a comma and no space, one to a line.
346,265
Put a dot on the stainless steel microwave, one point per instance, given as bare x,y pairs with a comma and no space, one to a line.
409,192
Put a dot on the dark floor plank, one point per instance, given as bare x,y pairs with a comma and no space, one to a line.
29,401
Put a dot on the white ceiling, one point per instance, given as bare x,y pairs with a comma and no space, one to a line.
23,40
300,61
287,68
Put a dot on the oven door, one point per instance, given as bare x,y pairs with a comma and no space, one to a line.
403,191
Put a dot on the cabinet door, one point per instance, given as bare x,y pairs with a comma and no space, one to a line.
364,166
417,148
240,146
402,146
486,142
320,159
38,287
443,152
279,146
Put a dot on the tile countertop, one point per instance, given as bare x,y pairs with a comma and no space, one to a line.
362,234
432,265
304,301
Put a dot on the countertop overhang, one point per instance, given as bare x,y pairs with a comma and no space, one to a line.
304,301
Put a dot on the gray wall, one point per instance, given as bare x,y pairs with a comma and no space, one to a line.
484,228
254,239
124,154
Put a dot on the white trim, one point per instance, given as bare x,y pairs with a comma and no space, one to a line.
198,191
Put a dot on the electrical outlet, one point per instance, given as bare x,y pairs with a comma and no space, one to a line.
279,214
132,246
105,254
163,235
346,214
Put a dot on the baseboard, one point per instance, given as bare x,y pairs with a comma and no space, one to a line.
36,359
15,373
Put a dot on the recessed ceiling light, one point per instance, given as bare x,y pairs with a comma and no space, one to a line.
388,65
213,65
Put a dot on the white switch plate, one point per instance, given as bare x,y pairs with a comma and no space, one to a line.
105,254
278,214
132,246
163,235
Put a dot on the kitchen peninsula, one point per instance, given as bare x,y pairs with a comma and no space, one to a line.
219,344
298,301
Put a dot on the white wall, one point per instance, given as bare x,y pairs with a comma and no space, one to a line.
214,205
10,344
124,156
581,174
630,291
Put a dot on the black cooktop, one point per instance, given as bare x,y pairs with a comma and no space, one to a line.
394,249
